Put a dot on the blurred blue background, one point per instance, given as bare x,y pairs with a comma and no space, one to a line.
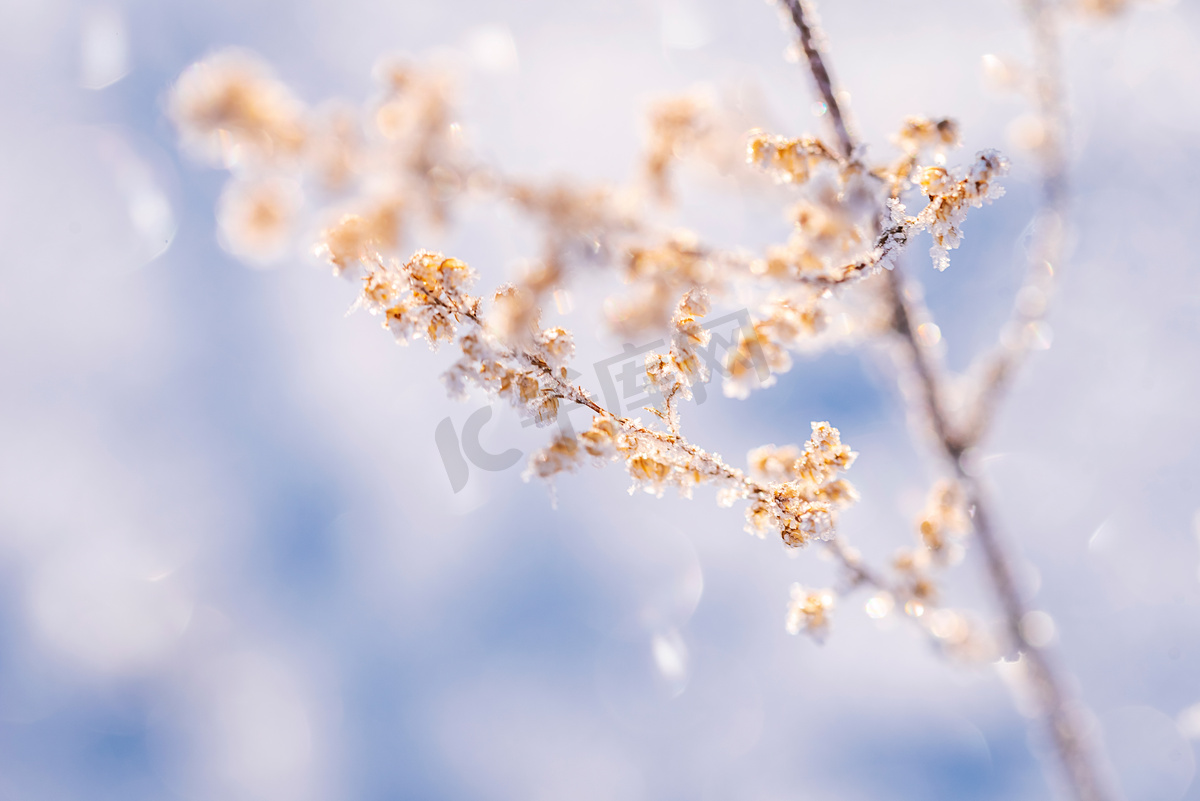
232,566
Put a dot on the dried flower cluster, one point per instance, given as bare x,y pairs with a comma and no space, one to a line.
808,490
236,113
809,611
921,134
951,194
836,224
942,520
788,160
659,273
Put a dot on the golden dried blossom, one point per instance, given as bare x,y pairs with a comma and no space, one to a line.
658,274
556,345
414,104
943,518
423,298
358,238
773,464
601,439
809,611
801,518
256,218
788,160
754,363
515,315
562,454
688,337
834,229
679,260
587,216
231,108
920,134
782,324
1102,8
675,125
915,582
802,494
420,152
824,456
336,150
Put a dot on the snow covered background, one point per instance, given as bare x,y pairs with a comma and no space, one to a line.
231,565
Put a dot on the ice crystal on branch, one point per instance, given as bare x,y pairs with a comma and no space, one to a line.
951,194
921,134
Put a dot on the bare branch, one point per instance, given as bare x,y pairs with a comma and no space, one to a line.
806,23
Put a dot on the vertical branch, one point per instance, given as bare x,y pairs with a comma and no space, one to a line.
1050,95
811,40
921,365
1080,762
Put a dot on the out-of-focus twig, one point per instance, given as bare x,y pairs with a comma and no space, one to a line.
1080,760
1024,329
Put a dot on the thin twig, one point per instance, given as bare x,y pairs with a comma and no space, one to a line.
888,245
862,574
